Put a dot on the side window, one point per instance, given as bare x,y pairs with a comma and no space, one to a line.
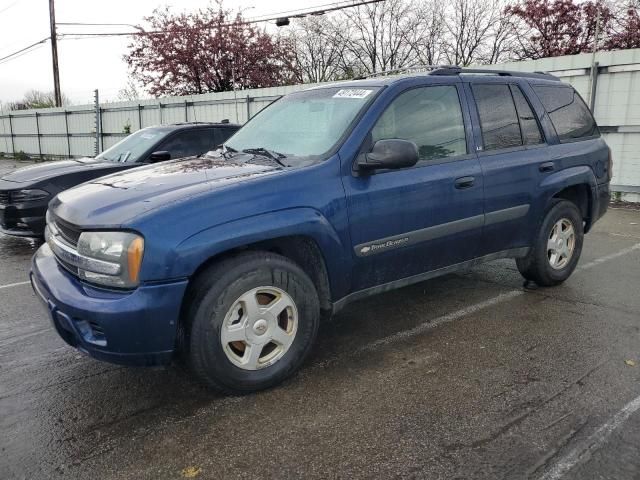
567,111
498,116
223,134
188,143
431,117
528,124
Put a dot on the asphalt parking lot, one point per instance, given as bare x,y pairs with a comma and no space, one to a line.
465,376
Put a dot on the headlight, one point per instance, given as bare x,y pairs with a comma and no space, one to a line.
28,195
113,258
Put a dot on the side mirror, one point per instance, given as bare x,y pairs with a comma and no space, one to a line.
391,153
160,156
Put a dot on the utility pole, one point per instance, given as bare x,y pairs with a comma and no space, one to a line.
594,66
54,54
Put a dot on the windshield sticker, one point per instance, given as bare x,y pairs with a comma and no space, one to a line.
148,136
352,93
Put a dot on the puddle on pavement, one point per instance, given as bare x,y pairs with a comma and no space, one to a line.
10,247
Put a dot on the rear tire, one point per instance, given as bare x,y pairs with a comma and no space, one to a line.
557,246
251,321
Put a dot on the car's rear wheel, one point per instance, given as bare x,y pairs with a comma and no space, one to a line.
251,321
557,246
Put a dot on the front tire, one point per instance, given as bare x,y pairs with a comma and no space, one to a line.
251,321
557,246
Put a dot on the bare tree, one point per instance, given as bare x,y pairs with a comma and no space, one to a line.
129,92
318,51
502,42
375,35
474,27
37,99
426,37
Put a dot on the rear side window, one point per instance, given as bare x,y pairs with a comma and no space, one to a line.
568,112
498,116
529,127
431,117
222,135
190,142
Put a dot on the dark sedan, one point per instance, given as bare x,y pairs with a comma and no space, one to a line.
25,193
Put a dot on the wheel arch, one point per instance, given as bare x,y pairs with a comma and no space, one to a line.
301,235
577,185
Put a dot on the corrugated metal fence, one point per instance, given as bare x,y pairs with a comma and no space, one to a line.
70,132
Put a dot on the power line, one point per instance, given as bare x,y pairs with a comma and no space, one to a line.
24,49
37,47
9,6
317,10
320,10
98,24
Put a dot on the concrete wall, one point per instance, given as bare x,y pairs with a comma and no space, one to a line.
71,131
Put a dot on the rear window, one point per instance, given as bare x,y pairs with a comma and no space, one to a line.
568,112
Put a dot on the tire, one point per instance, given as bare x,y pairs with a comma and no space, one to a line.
540,265
241,296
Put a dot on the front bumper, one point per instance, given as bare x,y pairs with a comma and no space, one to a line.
23,220
135,327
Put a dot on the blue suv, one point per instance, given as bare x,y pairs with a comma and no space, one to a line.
229,261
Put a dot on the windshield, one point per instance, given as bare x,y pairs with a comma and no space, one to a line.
303,124
132,147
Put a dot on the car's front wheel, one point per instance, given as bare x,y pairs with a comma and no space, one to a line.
252,319
557,247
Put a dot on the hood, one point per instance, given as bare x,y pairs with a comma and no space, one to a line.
114,199
43,171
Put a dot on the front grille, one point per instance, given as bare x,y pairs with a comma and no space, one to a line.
67,266
5,197
68,232
69,235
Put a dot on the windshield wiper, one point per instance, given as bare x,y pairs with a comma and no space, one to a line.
267,153
227,148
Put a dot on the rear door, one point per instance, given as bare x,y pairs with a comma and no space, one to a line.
409,221
512,153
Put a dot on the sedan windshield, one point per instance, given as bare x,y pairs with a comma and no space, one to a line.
303,124
131,148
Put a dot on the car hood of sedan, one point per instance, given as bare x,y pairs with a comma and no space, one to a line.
43,171
111,200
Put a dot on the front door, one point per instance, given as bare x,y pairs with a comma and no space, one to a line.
414,220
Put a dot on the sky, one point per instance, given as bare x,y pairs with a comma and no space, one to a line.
90,63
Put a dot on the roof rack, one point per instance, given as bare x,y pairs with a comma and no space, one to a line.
398,71
455,70
191,123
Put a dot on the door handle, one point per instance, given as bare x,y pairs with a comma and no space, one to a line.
546,167
464,182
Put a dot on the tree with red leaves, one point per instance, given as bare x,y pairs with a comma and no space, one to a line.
208,50
559,27
626,28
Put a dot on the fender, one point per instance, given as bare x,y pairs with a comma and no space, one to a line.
303,221
569,177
